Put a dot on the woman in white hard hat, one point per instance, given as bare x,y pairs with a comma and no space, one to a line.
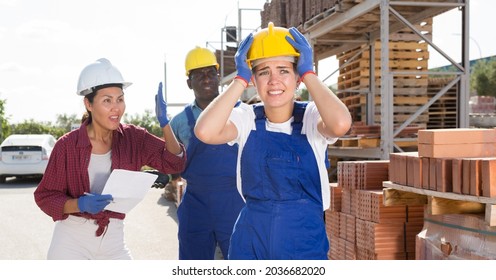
282,147
70,191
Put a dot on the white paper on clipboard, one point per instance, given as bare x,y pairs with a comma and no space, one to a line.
128,188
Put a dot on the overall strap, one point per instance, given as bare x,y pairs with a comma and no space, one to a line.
259,111
189,114
259,116
298,113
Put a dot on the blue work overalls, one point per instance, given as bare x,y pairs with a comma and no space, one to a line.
211,203
283,215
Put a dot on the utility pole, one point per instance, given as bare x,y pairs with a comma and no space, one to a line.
165,79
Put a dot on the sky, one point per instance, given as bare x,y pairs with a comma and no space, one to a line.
45,45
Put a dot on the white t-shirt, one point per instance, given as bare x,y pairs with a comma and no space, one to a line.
99,171
243,118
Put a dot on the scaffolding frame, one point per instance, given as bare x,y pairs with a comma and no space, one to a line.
324,33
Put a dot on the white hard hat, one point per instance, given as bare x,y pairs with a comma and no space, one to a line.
98,73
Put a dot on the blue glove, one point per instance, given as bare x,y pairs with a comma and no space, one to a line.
93,203
300,43
244,71
161,107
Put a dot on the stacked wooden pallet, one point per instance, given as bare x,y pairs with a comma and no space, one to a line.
406,53
443,112
368,136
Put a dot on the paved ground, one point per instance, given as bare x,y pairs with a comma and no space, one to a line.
151,227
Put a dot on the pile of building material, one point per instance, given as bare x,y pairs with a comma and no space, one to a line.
454,170
460,160
359,225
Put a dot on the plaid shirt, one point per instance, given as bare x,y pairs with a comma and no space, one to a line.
66,176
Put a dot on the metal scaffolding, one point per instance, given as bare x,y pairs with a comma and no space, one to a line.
330,35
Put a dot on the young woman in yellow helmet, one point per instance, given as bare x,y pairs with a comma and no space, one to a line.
282,147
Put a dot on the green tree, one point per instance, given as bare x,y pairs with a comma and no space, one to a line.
4,124
67,121
483,78
33,127
147,121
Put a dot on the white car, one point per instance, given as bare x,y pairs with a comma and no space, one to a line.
23,155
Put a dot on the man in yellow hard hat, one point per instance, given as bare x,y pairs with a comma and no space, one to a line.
282,146
211,203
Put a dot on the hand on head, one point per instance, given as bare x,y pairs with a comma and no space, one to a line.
300,43
244,72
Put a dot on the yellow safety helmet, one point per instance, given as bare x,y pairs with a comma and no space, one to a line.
270,42
200,58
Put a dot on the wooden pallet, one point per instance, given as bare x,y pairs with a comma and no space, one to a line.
372,142
361,142
440,203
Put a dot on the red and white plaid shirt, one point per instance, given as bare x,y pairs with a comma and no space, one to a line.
66,176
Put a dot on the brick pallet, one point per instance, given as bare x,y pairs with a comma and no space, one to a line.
456,181
359,226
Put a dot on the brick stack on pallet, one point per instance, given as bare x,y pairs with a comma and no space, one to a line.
288,13
460,160
480,104
406,53
456,170
358,224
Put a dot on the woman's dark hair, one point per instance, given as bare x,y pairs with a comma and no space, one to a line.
87,114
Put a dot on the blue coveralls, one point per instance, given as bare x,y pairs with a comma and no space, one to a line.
211,204
283,215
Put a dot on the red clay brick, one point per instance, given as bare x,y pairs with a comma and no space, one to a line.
457,150
456,136
425,172
457,175
432,174
444,175
488,174
466,176
475,177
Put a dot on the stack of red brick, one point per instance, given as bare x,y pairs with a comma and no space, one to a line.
482,104
458,160
358,224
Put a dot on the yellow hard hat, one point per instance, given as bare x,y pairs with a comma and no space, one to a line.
200,58
271,42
